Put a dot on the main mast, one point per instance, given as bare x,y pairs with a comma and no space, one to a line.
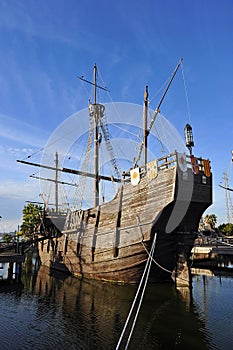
56,182
145,113
96,111
96,145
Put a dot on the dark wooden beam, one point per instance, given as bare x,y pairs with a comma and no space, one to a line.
71,171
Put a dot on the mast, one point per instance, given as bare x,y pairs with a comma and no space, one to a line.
96,144
96,112
96,147
145,113
157,111
56,182
229,207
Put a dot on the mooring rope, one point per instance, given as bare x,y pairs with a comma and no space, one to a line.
145,272
142,295
156,263
153,259
162,267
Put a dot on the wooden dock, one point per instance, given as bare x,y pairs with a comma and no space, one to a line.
208,252
213,253
222,250
207,247
12,256
15,250
7,257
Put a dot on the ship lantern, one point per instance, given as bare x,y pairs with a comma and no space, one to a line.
188,133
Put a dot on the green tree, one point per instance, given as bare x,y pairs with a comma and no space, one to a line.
31,219
211,219
6,238
226,229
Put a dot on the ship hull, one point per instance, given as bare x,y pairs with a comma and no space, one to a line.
112,241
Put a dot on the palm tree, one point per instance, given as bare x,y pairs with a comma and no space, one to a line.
211,219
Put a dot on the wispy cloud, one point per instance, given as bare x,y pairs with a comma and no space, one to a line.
39,20
13,197
17,152
8,165
21,132
9,225
16,190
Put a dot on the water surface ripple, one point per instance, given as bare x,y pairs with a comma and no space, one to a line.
59,312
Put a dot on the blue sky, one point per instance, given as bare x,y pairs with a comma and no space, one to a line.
46,44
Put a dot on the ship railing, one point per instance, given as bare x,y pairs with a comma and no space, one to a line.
196,163
160,164
54,212
172,159
167,162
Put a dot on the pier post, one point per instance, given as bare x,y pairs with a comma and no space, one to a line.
10,271
182,276
18,271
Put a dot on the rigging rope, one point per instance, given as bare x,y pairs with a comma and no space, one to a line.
50,144
186,93
115,166
126,131
160,90
78,198
163,150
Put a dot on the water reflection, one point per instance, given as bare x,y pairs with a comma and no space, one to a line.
214,304
55,311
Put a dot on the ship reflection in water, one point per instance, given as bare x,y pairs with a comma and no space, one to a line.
59,312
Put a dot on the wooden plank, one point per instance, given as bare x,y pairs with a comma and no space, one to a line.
6,258
91,250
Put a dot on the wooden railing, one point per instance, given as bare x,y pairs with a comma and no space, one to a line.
169,161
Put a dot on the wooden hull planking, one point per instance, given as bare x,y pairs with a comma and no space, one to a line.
111,242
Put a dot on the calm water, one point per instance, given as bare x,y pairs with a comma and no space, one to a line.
48,312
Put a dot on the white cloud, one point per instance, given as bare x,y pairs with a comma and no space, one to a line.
19,190
9,225
19,151
19,131
13,197
35,20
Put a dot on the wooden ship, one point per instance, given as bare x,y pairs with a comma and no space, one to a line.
111,241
